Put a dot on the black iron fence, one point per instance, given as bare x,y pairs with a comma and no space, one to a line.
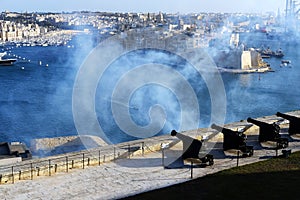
30,169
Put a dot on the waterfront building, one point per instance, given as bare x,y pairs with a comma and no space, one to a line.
10,31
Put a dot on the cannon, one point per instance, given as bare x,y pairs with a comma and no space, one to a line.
269,132
191,149
234,140
294,127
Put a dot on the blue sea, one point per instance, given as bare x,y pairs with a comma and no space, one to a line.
36,95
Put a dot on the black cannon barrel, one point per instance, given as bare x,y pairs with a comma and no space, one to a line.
288,117
216,127
224,130
181,136
256,122
294,127
264,125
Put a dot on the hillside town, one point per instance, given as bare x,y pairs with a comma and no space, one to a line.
26,27
160,30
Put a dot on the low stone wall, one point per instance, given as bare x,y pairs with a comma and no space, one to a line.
76,141
10,161
50,143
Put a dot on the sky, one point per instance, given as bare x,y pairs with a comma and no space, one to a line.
168,6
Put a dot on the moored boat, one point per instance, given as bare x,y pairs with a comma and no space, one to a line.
6,61
286,63
267,53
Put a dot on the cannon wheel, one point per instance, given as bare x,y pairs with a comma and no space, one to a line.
211,162
208,159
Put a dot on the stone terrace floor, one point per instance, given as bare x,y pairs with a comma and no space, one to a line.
125,177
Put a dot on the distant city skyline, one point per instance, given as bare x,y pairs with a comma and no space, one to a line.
168,6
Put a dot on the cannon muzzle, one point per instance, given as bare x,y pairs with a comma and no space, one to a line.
173,133
216,127
264,125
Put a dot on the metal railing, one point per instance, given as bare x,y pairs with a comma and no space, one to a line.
48,166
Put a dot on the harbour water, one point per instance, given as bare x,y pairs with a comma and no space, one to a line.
36,96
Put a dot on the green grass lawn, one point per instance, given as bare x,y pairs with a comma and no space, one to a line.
275,178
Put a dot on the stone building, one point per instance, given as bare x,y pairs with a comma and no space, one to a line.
10,31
